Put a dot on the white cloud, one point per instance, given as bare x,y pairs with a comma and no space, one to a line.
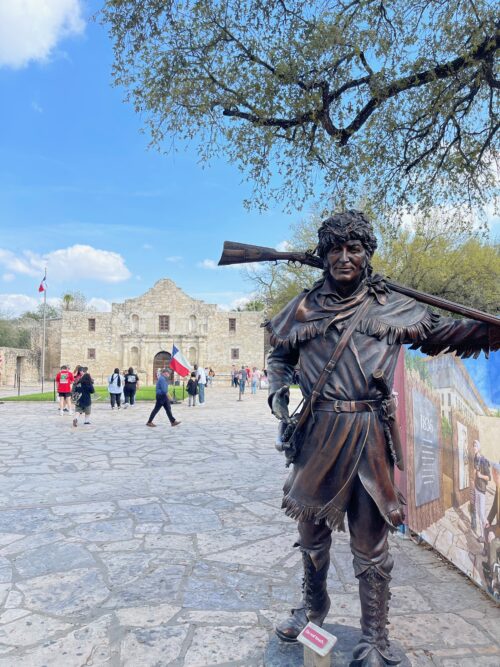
208,264
77,261
84,261
21,265
283,246
213,266
30,29
13,305
100,305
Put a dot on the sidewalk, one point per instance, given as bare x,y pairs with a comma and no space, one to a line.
127,546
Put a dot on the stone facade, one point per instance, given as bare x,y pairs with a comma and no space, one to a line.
19,365
140,333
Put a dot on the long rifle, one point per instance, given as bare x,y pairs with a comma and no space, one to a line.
242,253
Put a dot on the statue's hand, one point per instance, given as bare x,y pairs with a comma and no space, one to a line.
279,404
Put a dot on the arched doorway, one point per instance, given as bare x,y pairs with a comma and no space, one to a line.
161,360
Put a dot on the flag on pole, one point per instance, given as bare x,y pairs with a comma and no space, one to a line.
43,284
179,363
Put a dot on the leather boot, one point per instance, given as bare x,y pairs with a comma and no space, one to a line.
315,601
373,649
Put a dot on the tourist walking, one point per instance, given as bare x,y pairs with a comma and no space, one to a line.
242,379
130,387
82,391
211,375
162,400
64,379
192,389
201,376
115,388
255,379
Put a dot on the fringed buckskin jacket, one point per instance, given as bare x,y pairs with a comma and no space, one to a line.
337,446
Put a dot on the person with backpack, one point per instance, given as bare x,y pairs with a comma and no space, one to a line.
82,391
130,387
115,388
192,389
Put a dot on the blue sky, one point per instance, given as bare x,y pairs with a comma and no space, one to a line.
81,193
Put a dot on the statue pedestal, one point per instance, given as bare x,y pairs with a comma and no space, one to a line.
281,654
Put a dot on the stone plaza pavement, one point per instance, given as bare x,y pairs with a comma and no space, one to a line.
127,546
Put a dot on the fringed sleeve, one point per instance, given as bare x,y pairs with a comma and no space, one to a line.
467,338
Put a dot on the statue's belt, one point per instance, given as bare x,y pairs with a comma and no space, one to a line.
347,406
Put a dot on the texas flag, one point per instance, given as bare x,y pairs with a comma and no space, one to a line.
179,363
43,285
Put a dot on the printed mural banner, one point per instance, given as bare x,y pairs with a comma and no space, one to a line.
449,416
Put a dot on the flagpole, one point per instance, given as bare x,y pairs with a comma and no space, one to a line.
44,324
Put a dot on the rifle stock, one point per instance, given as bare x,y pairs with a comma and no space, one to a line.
242,253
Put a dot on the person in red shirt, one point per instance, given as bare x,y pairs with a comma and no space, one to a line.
64,380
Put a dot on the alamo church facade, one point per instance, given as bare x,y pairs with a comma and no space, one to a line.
140,332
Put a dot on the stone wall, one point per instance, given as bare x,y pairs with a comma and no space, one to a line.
14,360
53,361
130,334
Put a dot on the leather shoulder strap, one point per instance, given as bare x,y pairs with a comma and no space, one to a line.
332,361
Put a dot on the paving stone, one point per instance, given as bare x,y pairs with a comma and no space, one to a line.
161,585
219,617
158,646
104,531
75,592
214,587
229,538
265,552
472,661
29,521
219,645
88,645
32,542
437,630
30,629
57,557
146,616
188,519
124,568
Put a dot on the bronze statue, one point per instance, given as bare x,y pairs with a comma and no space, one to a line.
346,333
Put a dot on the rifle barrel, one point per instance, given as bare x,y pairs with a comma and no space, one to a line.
439,302
241,253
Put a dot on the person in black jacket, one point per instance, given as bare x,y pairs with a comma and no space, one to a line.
192,389
130,387
82,390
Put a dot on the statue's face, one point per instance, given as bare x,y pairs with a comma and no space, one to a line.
346,261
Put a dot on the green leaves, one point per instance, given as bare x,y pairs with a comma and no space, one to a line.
398,101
